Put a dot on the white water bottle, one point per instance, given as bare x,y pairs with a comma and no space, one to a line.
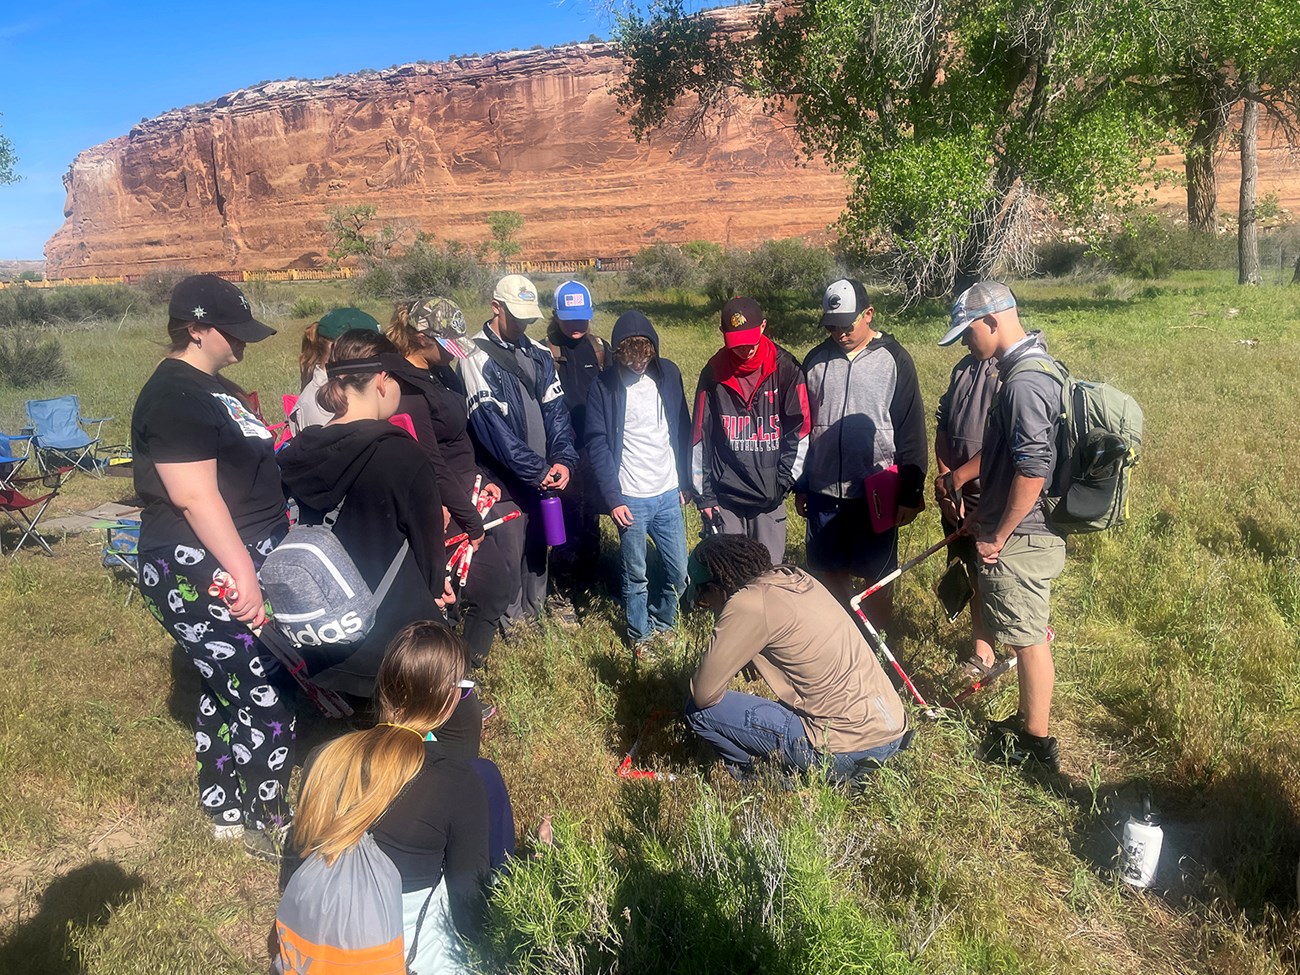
1140,855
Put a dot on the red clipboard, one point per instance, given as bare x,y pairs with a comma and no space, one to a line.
882,498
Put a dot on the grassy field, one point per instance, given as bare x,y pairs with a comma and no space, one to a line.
1178,673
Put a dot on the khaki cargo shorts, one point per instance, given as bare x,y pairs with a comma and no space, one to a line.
1014,592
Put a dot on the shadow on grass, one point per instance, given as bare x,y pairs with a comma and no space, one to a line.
1233,843
82,898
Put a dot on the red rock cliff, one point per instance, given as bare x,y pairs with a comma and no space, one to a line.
245,182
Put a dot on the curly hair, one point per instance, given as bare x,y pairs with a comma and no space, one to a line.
734,561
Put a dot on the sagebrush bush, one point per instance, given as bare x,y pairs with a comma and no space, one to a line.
27,361
65,306
662,267
307,306
779,275
157,286
728,889
427,269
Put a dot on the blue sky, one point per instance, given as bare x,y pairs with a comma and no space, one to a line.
75,73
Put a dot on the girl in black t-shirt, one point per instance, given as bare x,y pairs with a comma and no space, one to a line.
205,468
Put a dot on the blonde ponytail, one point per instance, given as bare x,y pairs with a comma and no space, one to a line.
357,777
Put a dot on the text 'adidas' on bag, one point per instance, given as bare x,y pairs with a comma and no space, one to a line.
316,593
1100,441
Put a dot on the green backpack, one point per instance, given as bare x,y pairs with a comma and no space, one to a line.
1100,441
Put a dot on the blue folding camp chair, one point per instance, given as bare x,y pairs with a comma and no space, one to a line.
11,462
122,549
58,433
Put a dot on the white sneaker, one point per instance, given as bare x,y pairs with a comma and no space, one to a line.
227,832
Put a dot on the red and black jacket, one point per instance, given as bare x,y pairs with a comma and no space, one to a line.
747,453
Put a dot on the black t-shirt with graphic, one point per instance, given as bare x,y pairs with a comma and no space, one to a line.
184,415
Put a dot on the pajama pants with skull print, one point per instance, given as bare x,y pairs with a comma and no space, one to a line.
244,730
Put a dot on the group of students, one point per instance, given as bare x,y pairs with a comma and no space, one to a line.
501,422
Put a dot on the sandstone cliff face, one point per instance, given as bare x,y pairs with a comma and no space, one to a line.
245,182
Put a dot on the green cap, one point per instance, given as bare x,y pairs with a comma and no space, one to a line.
341,320
697,576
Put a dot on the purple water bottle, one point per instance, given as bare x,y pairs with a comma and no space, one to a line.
553,520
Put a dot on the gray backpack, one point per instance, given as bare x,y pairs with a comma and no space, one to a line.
317,595
1100,441
345,916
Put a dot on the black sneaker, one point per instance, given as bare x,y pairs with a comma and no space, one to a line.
1008,743
264,844
561,609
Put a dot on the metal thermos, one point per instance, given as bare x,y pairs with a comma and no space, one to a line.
1140,855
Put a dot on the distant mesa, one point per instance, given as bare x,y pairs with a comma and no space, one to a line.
244,182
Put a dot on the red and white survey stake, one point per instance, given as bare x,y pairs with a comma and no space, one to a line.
909,564
457,539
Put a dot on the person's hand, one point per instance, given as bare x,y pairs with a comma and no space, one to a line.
622,516
474,543
949,509
446,517
801,505
989,548
248,605
969,520
448,597
556,479
490,491
682,499
907,515
943,486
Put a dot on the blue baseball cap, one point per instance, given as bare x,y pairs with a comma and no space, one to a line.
573,302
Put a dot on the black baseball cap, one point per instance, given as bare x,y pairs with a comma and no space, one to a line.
206,299
742,322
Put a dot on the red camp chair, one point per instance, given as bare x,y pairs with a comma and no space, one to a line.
26,512
281,432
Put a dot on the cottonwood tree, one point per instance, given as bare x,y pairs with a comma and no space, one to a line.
504,226
353,233
7,162
1213,56
953,120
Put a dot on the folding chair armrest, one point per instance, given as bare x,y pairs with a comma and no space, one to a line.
96,419
16,436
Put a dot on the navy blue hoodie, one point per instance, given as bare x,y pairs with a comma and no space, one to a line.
607,407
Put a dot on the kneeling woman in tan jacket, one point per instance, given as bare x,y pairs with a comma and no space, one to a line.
835,707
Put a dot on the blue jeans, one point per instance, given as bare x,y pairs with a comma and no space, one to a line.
661,519
742,727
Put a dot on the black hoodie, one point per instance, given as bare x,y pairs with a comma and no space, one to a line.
607,408
391,495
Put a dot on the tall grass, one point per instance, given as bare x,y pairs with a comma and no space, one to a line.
1178,663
